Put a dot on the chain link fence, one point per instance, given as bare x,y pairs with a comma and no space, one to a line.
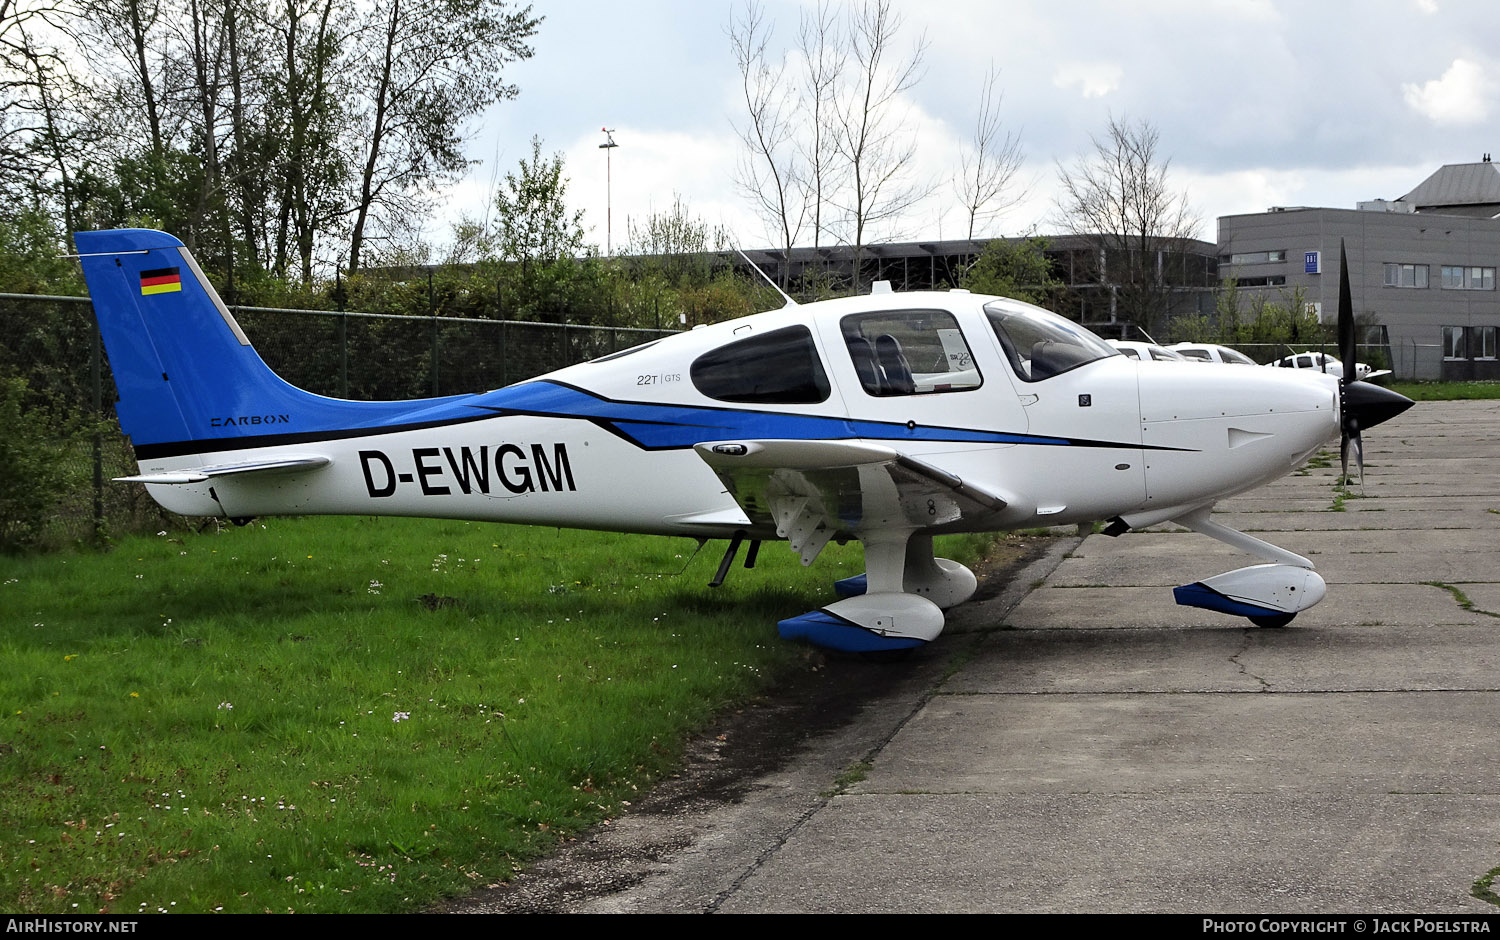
1420,361
60,443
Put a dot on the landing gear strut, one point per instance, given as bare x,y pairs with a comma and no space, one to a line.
904,592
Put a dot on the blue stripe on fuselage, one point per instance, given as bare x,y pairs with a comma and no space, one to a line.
656,426
648,425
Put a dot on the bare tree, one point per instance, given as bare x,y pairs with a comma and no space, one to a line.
768,174
206,49
872,137
838,160
39,133
989,164
1118,197
311,91
823,51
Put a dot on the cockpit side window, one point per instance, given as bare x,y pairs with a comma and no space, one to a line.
909,352
778,368
1040,345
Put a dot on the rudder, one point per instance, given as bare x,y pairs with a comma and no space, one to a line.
188,379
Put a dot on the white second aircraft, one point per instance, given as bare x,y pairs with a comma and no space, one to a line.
886,418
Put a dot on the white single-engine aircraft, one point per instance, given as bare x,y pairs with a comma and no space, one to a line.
886,418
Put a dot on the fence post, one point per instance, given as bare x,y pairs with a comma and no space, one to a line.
339,298
96,377
432,311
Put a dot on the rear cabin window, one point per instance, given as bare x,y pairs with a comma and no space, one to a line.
909,352
777,368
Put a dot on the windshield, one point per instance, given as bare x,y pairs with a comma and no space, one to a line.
1039,344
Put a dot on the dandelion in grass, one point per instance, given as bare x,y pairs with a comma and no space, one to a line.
226,706
401,716
375,587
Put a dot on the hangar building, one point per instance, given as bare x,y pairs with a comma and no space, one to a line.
1422,267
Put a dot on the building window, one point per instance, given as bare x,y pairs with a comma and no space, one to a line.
1453,343
1484,342
1405,275
1461,277
1270,280
1275,256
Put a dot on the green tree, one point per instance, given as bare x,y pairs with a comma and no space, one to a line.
674,245
430,66
534,221
1015,268
33,480
30,256
537,233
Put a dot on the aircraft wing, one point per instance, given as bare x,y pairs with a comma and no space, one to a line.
810,491
203,474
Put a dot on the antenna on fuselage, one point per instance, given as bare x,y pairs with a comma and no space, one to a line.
774,286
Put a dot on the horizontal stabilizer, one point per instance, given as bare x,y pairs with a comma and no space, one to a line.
204,474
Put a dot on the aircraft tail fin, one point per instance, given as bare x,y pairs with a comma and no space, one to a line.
189,381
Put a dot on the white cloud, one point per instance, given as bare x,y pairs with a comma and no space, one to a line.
1460,96
1093,79
645,170
1255,190
1427,6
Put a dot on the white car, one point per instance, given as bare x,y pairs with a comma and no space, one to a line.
1211,352
1147,352
1322,362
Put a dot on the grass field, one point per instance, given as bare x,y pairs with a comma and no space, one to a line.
1446,391
354,714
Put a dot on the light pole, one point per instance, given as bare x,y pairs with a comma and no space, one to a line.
608,145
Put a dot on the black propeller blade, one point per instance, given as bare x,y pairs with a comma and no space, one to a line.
1362,404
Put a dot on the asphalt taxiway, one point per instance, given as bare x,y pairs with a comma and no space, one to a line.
1080,743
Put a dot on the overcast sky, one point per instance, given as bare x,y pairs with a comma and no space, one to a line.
1258,103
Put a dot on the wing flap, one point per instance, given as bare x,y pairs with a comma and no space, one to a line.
809,492
204,474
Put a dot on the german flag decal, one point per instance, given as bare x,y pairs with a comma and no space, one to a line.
161,281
